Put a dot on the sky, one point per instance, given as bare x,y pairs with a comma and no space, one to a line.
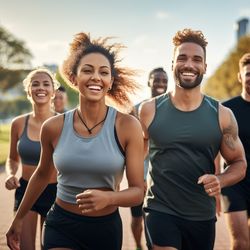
145,27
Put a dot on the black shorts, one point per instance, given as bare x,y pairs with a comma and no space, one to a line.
136,211
236,198
167,230
43,203
63,229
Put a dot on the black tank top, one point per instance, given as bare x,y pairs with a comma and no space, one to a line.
183,146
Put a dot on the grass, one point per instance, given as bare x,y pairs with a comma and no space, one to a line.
4,142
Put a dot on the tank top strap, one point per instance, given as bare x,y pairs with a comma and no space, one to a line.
110,119
26,126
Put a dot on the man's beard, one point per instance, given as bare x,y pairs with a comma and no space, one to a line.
187,85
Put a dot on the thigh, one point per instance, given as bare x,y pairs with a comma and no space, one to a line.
162,231
198,234
238,224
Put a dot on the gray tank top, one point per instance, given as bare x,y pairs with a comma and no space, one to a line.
83,163
183,146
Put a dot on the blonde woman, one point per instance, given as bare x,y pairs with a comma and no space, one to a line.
25,152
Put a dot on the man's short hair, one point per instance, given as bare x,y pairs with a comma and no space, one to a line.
160,69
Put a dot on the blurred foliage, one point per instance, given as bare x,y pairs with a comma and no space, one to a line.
4,142
14,60
10,108
73,98
13,52
10,78
224,84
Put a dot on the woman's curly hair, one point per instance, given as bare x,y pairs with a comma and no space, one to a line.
124,83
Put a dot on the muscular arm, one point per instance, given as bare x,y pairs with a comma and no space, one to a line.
231,150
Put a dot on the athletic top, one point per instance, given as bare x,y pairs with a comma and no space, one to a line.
182,147
92,162
241,110
28,150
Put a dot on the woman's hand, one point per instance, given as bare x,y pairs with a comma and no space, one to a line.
93,200
13,235
12,182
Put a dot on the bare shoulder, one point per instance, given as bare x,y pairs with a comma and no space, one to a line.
127,121
227,120
147,106
147,112
53,126
229,127
18,123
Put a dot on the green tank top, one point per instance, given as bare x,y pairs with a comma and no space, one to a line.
183,146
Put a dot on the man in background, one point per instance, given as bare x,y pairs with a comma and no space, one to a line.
60,100
236,198
158,83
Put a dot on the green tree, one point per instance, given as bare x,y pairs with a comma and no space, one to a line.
14,59
224,84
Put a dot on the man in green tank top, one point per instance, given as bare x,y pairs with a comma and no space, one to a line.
186,130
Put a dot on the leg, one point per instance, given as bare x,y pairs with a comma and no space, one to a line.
162,231
28,235
136,226
238,228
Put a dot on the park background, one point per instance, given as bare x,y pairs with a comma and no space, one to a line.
37,33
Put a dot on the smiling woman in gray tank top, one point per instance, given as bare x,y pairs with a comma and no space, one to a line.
90,146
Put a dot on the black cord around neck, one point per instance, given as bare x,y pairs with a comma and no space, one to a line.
90,129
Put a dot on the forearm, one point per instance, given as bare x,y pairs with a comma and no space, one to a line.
233,173
11,167
132,196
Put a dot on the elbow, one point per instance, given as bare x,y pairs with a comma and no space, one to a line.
243,170
140,196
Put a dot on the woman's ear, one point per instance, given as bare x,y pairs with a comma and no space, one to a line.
73,80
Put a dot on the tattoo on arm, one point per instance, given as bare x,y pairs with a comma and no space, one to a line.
230,133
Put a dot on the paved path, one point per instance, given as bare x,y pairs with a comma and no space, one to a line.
6,215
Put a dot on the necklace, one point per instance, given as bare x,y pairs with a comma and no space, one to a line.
90,129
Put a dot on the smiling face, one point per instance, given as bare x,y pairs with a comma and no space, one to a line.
158,82
188,65
41,88
93,76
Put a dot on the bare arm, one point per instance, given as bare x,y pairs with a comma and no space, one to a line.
231,150
13,160
37,184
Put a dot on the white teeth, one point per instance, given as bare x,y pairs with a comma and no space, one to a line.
188,74
160,90
94,87
41,95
